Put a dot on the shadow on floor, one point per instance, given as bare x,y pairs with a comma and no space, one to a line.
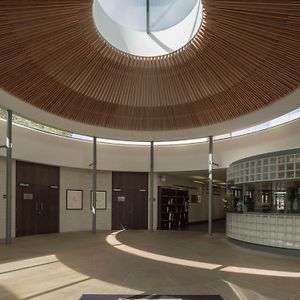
219,226
84,263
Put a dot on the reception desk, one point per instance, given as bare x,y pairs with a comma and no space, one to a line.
276,230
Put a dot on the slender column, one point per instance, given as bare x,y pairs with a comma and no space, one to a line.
243,197
94,182
8,177
210,184
151,192
148,16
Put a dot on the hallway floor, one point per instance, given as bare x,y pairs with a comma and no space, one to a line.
65,266
218,226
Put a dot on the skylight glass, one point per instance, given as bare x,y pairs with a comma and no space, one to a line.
163,14
147,27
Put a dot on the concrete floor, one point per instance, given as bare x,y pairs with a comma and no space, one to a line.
65,266
219,226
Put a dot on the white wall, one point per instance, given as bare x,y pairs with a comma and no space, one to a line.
38,147
34,146
199,211
70,220
81,220
279,138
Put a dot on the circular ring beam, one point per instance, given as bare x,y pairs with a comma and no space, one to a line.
244,58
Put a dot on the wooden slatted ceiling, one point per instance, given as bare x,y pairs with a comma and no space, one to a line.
245,56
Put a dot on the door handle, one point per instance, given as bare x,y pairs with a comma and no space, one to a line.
42,206
37,208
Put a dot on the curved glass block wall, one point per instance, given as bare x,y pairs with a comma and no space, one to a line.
267,167
268,183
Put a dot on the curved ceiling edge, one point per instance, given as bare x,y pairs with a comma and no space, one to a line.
278,108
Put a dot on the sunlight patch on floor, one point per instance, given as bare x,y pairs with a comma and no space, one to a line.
113,241
46,277
27,263
264,272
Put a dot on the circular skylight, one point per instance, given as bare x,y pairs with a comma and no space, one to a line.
147,27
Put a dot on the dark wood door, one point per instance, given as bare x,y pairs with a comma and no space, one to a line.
37,199
26,208
129,200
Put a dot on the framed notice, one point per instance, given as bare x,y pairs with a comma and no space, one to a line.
196,198
199,199
100,199
74,199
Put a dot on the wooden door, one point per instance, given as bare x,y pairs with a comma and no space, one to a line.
37,199
26,209
129,200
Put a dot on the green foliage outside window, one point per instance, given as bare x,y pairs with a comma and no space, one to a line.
31,124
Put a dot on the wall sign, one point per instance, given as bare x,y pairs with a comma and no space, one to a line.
121,198
54,187
28,196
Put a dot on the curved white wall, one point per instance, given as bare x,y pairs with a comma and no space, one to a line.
34,146
30,145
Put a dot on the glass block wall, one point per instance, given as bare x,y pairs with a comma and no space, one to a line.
271,230
267,167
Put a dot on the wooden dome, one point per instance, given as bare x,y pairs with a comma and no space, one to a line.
245,56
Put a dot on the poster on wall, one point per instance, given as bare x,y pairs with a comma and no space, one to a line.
193,198
196,198
100,199
74,199
199,199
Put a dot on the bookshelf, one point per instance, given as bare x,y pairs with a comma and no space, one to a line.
172,208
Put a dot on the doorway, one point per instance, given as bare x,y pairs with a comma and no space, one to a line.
129,200
37,199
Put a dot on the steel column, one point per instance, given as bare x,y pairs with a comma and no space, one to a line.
210,184
8,176
151,192
148,16
94,210
244,187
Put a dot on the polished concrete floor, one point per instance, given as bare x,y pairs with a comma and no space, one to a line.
65,266
219,226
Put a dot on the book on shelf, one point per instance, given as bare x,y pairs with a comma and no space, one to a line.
174,203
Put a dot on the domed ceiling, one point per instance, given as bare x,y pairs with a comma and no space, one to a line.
244,57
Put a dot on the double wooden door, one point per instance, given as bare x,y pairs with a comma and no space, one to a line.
129,200
37,199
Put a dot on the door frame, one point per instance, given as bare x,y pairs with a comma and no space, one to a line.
16,194
147,207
